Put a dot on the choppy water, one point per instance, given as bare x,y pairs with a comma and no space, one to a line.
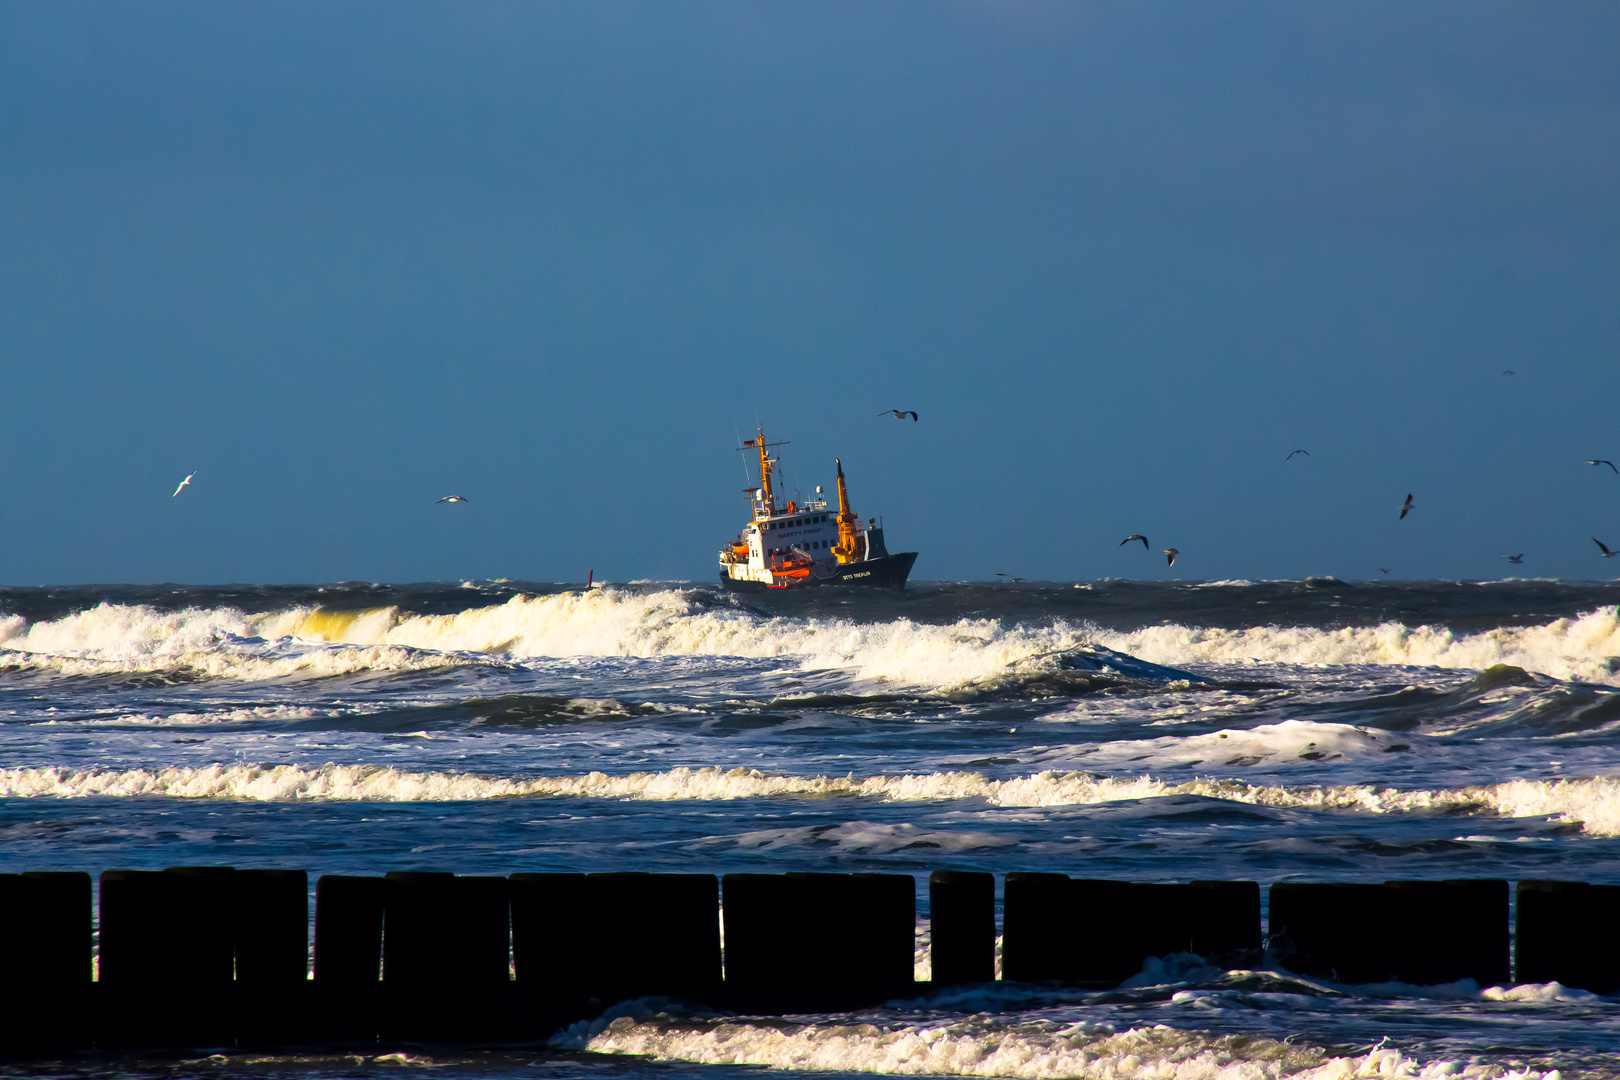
1331,732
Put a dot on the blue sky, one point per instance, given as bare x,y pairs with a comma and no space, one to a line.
344,258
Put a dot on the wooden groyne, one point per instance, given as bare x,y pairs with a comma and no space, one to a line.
221,957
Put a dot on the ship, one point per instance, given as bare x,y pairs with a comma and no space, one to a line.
797,544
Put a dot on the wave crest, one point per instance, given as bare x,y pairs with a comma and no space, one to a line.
1586,648
1594,803
1036,1050
210,643
224,642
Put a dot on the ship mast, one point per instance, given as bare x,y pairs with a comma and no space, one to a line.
767,465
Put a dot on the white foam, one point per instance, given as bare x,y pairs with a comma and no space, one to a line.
1577,648
212,642
612,622
973,1048
922,961
1552,991
254,714
1301,743
1594,802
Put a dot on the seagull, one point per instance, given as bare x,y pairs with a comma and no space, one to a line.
1509,371
1607,554
899,414
454,498
1406,506
1009,577
183,483
1515,559
1385,570
1307,453
1136,536
1172,553
1589,461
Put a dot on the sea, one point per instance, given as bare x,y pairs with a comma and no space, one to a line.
1316,730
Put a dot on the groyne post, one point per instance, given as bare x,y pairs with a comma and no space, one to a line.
550,948
795,942
274,999
1444,931
47,999
167,957
1224,918
1038,928
445,958
348,930
1568,932
962,927
652,934
1331,931
272,938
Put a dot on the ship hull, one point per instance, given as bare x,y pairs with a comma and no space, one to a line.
887,572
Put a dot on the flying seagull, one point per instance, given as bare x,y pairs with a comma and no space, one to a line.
899,414
1509,371
1589,461
183,483
454,498
1009,577
1384,569
1136,536
1515,559
1406,506
1307,453
1172,553
1607,554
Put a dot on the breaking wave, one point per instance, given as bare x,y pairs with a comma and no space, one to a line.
226,643
1585,648
1594,803
1035,1050
218,643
